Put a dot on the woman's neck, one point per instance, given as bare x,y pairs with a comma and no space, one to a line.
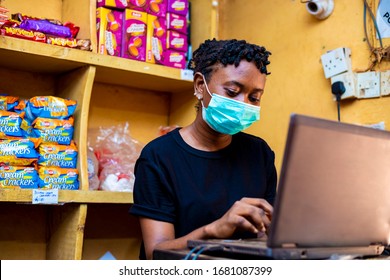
202,137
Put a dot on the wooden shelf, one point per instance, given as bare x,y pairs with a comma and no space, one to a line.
32,56
67,196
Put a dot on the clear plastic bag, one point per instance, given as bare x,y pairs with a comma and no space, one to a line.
93,169
117,153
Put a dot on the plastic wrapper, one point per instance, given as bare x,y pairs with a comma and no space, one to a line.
53,130
18,152
8,102
50,107
93,169
10,124
46,27
58,178
18,177
64,156
117,153
11,28
117,178
81,44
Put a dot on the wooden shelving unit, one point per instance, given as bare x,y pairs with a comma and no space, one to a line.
108,90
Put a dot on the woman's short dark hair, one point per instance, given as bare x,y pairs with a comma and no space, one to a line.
228,52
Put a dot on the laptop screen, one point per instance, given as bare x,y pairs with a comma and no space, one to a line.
334,187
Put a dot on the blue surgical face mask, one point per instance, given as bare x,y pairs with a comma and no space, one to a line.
229,116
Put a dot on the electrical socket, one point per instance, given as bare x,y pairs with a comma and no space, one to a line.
368,84
336,62
349,82
385,83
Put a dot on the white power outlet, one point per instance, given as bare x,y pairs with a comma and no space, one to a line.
385,83
368,84
336,62
349,82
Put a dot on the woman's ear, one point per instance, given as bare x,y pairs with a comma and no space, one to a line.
198,85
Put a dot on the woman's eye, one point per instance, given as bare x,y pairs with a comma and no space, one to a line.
231,92
254,99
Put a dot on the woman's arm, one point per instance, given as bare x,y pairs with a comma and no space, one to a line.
250,214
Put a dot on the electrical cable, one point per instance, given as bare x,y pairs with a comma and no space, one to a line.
381,52
198,253
197,250
193,250
367,7
208,248
338,109
338,89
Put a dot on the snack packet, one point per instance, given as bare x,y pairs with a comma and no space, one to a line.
54,130
10,124
50,107
20,152
58,178
14,177
64,156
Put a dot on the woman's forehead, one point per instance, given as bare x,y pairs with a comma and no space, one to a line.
244,72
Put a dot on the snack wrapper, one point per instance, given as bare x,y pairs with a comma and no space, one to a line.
64,156
21,106
81,44
15,177
58,178
46,27
10,123
7,102
17,32
53,130
21,152
50,107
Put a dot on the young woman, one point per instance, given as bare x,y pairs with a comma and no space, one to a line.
210,179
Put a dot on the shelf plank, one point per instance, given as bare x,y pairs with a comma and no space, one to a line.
68,196
32,56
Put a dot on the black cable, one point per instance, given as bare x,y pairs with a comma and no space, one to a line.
338,89
338,109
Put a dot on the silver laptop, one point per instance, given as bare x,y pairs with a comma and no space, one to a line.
333,195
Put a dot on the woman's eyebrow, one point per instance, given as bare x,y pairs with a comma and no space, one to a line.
240,85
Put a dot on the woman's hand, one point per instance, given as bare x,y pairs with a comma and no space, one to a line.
247,214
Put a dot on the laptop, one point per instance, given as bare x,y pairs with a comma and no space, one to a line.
333,195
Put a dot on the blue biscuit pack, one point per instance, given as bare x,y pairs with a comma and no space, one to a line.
15,177
64,156
50,107
58,178
10,124
19,152
54,130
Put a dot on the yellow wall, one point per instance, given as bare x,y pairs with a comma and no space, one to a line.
297,40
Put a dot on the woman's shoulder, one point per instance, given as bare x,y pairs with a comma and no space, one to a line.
249,138
162,142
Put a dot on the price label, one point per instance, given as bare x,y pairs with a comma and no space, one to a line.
45,196
187,74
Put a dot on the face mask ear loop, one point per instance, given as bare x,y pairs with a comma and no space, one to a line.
207,88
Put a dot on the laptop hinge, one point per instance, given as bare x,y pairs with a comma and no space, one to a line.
289,245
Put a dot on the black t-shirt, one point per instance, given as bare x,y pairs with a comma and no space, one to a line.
189,188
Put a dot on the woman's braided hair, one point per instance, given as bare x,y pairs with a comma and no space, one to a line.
228,52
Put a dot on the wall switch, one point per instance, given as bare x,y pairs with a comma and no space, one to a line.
368,84
349,82
385,83
336,62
